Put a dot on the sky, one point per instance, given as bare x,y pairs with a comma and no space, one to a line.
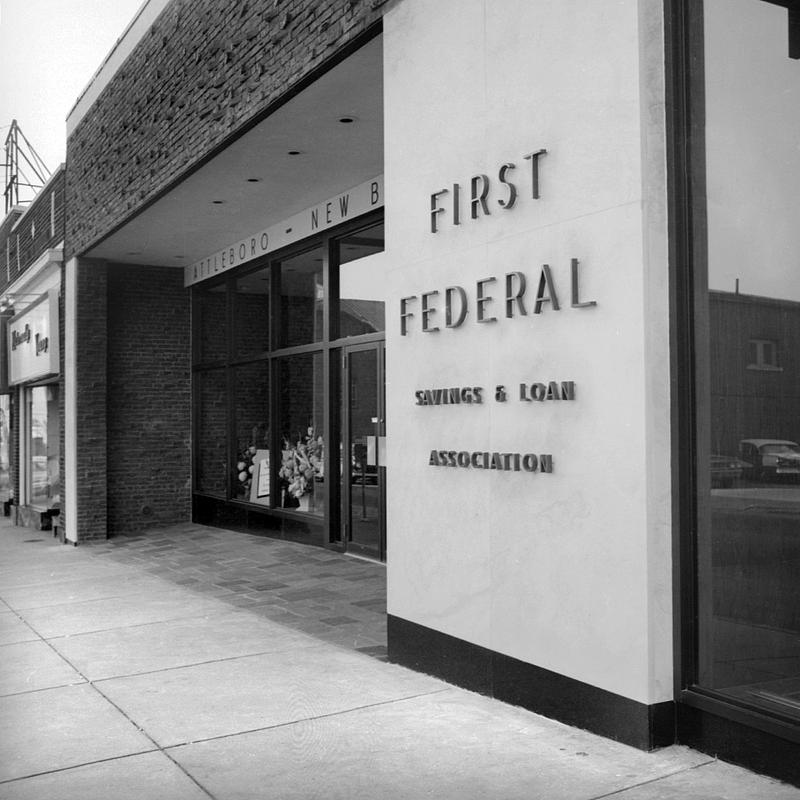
753,150
49,51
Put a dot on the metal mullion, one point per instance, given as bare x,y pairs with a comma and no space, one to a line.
300,349
381,356
345,504
230,384
364,338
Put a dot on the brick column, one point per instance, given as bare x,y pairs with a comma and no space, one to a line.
90,412
149,398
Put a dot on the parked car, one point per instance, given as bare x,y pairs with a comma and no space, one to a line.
726,470
770,459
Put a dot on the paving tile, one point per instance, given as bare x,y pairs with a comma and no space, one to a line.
714,781
76,590
70,619
143,777
451,746
253,692
28,666
59,728
176,643
13,629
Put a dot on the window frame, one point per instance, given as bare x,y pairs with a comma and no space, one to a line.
690,418
329,347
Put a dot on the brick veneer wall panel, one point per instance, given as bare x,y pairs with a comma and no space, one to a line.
91,366
149,398
203,71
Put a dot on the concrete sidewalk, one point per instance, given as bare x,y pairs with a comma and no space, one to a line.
196,663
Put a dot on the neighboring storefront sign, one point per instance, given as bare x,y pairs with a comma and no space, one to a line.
32,344
361,199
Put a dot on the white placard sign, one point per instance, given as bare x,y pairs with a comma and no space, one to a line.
33,341
365,197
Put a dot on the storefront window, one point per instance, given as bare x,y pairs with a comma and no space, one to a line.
301,420
749,421
211,437
251,313
302,296
251,478
259,407
43,446
5,449
210,320
361,281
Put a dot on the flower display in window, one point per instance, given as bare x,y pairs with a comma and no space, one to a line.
302,462
244,470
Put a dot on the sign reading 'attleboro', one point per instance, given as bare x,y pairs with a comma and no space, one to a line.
359,200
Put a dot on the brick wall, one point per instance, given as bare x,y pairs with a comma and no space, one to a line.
149,398
91,362
204,70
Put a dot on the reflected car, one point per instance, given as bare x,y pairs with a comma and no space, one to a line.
726,470
360,470
770,459
39,475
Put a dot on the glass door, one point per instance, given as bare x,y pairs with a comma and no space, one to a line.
363,436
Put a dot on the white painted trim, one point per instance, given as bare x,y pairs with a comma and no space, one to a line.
37,271
70,400
131,36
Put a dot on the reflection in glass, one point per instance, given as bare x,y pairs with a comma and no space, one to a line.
251,468
43,446
211,467
361,283
301,299
301,421
361,404
251,313
749,538
210,319
5,449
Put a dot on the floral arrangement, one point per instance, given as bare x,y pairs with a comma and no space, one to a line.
244,470
301,462
245,458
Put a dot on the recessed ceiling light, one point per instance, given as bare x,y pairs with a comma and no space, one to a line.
294,152
253,180
347,119
217,202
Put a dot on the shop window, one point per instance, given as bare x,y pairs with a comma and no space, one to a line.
301,425
301,300
748,548
259,407
251,313
211,436
763,355
43,446
209,310
361,306
251,479
5,449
